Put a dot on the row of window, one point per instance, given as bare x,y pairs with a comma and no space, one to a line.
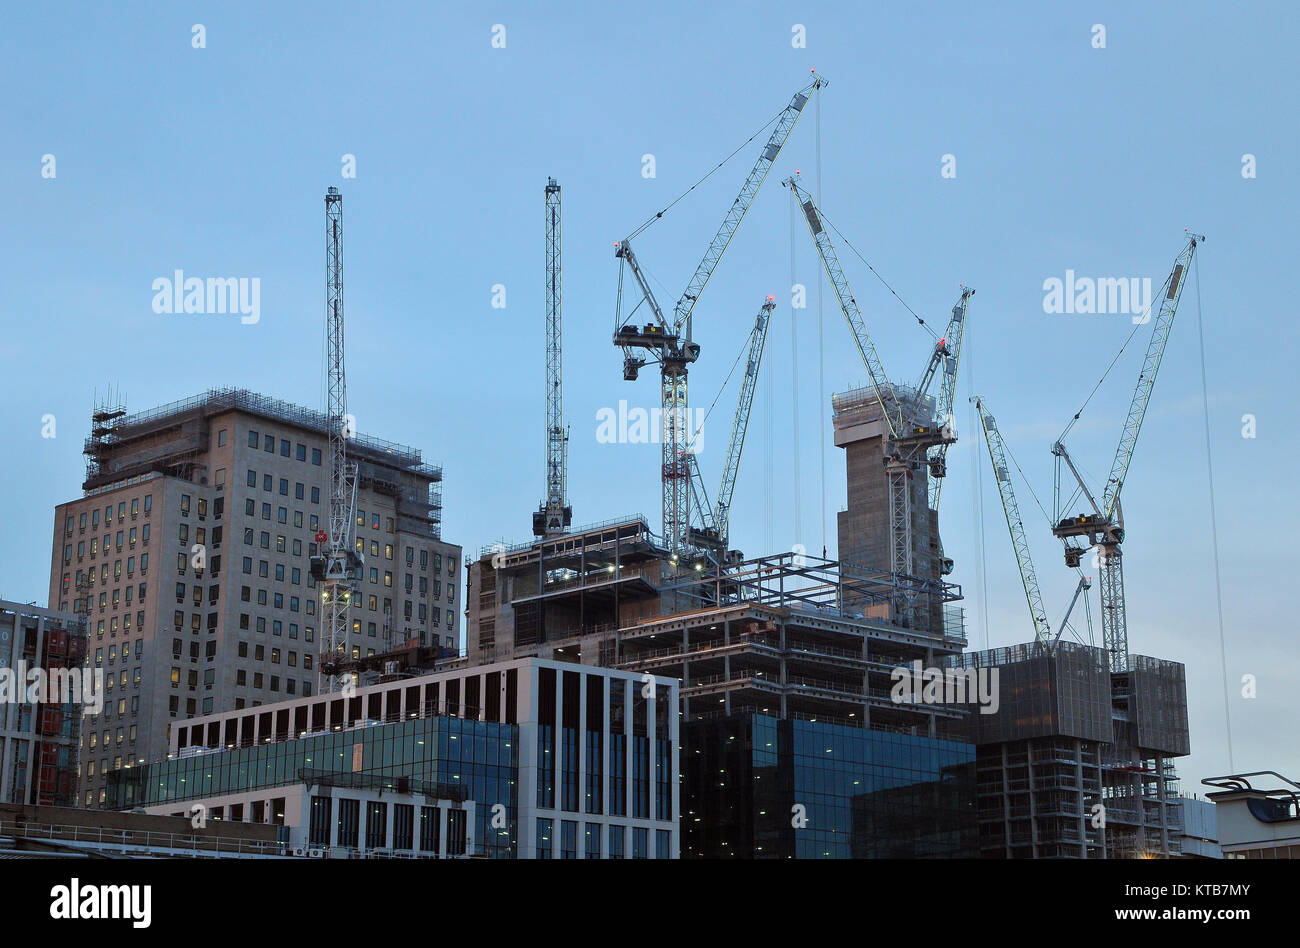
131,536
268,485
287,449
108,514
568,848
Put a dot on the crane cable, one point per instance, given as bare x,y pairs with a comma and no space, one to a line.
654,217
722,389
1136,325
921,322
1214,522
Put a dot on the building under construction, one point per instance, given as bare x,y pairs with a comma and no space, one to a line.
772,653
1077,761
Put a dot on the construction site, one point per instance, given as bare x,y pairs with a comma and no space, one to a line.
796,650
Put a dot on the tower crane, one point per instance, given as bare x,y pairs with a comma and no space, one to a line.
1019,541
1103,528
337,563
669,341
554,514
717,521
910,432
946,354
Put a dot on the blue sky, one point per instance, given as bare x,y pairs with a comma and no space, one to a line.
215,161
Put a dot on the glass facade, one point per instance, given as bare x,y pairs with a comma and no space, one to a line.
758,787
473,758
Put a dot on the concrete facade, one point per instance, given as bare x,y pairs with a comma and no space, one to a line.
188,556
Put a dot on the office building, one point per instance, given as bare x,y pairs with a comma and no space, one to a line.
521,759
188,556
39,738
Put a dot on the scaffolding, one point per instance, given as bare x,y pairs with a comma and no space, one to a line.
171,439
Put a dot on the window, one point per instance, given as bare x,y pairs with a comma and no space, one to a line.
285,448
315,495
252,438
252,478
348,821
221,438
268,443
315,456
544,842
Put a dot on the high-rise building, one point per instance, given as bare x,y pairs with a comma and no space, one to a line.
188,556
39,727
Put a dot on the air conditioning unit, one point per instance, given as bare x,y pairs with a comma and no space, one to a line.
300,851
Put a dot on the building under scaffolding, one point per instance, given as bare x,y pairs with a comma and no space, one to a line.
174,439
224,498
1077,762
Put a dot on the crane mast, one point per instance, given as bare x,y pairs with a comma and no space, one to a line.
555,514
1103,528
336,564
670,342
717,520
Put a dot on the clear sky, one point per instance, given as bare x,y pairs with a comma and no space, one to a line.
1068,156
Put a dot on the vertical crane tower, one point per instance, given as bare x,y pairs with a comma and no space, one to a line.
337,563
555,514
